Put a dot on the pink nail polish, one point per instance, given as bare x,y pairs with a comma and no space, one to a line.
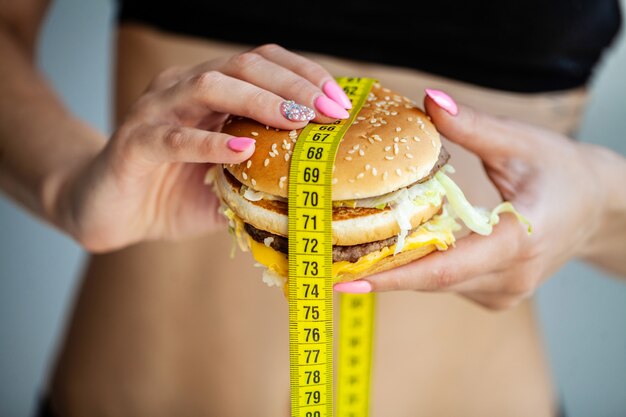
240,144
330,108
336,93
354,287
443,100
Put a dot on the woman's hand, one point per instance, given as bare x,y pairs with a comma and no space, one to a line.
147,182
568,191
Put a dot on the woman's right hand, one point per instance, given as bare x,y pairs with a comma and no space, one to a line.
147,182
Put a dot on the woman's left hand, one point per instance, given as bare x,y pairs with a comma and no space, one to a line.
553,181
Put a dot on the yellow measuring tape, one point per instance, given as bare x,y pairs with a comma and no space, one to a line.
310,279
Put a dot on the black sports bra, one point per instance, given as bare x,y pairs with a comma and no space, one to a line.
515,45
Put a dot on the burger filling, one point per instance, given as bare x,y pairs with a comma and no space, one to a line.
271,250
340,253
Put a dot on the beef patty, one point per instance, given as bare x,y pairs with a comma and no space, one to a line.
340,253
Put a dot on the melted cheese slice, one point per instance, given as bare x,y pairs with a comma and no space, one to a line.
278,263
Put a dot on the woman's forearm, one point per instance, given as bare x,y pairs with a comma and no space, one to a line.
606,247
40,141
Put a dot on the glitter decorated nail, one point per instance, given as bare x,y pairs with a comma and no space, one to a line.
296,112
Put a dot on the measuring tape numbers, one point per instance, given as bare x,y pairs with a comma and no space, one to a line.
310,269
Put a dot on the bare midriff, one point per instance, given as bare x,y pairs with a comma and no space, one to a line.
165,329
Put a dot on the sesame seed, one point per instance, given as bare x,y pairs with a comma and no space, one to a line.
416,139
272,154
385,175
432,142
368,167
387,148
355,147
399,172
244,175
396,139
412,169
351,151
374,172
403,140
361,175
376,125
253,181
293,133
389,158
408,155
395,149
360,118
351,180
361,152
274,147
370,140
398,129
267,127
266,162
254,133
287,155
335,180
373,120
348,158
357,194
249,163
410,119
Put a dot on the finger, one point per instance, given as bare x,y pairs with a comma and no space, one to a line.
166,143
256,69
222,93
487,136
307,69
472,256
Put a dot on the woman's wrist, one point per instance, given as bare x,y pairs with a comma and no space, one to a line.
58,182
606,245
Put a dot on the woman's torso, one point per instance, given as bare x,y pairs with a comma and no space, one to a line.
181,329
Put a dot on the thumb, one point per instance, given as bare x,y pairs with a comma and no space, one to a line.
487,136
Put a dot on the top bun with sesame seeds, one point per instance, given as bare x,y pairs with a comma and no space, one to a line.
391,144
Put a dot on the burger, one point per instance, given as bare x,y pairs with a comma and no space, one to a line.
389,192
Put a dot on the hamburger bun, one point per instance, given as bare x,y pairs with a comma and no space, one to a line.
391,144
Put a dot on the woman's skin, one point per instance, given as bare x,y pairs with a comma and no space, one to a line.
178,328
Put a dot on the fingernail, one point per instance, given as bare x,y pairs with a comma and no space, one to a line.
353,287
296,112
333,91
443,100
330,108
240,144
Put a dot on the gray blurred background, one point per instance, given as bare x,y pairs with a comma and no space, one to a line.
583,312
